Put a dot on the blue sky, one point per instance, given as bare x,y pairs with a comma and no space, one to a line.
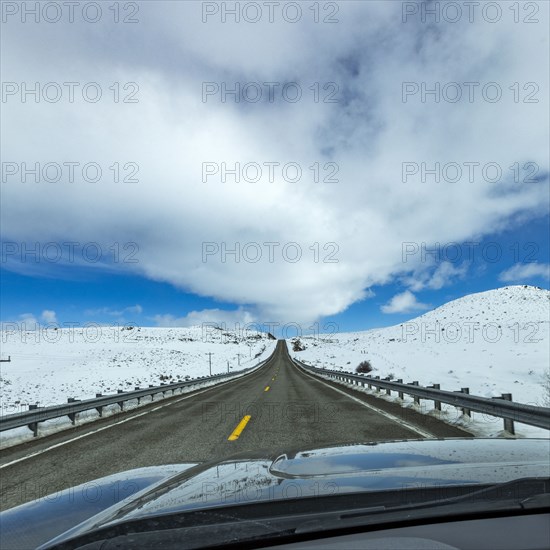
344,174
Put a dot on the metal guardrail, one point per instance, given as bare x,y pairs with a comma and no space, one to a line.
35,414
500,407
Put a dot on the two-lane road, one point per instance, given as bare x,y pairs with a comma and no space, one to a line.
277,408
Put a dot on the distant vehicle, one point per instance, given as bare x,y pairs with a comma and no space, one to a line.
417,494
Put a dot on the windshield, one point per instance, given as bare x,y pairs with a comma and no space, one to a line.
270,252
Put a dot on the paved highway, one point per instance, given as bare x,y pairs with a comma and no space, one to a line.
277,408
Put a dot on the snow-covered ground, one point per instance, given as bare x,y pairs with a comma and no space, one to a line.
492,342
48,366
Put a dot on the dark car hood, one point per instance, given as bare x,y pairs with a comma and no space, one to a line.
148,492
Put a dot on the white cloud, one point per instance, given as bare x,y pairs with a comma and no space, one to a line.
27,321
48,317
137,309
230,319
170,132
405,302
443,275
133,309
523,272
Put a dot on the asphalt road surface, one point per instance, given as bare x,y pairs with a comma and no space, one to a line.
277,408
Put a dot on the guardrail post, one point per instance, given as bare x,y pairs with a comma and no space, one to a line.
121,403
137,388
465,411
388,391
72,416
416,398
33,426
400,392
437,404
100,408
376,386
368,383
508,422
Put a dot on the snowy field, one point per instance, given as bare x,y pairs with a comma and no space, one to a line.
49,366
493,342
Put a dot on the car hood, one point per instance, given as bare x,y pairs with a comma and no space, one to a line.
148,492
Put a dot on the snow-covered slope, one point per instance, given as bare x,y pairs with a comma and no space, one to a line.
49,366
493,342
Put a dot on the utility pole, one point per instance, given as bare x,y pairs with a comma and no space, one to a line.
210,362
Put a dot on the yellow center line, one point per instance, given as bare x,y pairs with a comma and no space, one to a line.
266,388
240,427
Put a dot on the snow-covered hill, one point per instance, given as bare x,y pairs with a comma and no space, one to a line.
49,366
493,342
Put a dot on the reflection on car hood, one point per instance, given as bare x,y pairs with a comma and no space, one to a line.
354,468
305,473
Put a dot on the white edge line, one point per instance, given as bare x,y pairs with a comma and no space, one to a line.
56,445
399,421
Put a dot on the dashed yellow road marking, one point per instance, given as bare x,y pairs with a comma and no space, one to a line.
240,427
266,388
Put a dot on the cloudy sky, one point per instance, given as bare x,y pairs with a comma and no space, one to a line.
355,163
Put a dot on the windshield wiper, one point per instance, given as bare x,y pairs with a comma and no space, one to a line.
520,494
522,491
